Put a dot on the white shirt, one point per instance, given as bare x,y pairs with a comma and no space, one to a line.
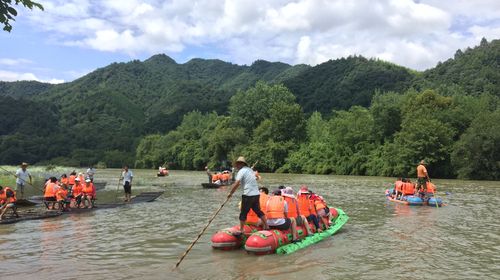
91,172
23,177
127,176
247,180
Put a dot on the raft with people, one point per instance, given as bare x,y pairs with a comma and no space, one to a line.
217,179
306,206
405,192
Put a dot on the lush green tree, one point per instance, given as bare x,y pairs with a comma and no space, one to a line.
477,154
8,12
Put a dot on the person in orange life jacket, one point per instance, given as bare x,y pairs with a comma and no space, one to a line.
77,192
252,218
49,194
277,215
251,196
408,187
88,193
293,209
398,188
71,180
64,180
7,201
306,206
62,197
422,177
322,210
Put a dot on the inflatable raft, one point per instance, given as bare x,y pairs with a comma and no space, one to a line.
262,242
414,200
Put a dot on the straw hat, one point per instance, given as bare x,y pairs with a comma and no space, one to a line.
242,160
24,164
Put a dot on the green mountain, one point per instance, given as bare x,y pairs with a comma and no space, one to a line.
103,115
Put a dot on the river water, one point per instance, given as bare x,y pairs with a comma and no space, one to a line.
381,240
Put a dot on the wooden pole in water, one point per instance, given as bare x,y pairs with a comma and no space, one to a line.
205,228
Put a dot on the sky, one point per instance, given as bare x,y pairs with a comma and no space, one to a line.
71,38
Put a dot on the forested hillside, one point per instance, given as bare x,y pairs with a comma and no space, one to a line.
346,116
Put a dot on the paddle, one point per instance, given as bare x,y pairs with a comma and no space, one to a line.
205,228
13,174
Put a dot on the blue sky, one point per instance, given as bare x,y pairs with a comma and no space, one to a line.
74,37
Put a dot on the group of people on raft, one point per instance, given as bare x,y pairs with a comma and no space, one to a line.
280,210
423,189
219,178
73,191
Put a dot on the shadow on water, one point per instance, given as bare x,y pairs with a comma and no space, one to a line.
382,240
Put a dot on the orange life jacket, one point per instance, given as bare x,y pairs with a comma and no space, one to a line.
319,204
77,189
88,189
61,194
304,205
408,188
252,216
275,207
71,179
215,178
65,181
431,188
50,190
11,198
398,185
225,177
293,207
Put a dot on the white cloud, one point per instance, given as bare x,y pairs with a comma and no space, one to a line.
10,76
416,35
14,61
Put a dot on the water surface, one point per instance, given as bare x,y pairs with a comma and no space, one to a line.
382,240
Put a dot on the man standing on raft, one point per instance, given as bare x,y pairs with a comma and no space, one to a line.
422,176
251,195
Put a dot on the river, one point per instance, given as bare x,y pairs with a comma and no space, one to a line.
144,241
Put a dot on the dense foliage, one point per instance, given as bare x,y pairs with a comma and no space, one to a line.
8,12
347,116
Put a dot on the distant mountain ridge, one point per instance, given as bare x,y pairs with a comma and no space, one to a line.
111,108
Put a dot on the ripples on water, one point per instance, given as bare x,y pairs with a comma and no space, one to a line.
381,240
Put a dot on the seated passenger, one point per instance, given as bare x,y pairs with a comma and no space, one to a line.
62,198
252,218
77,193
306,206
7,201
88,193
322,210
49,194
293,209
277,215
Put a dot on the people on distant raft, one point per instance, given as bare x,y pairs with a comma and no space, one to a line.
251,196
71,179
127,177
162,171
62,198
252,218
306,206
89,193
77,192
398,186
23,178
293,209
277,215
49,194
7,201
422,176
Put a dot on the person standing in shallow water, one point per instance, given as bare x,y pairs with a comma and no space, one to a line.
251,195
127,177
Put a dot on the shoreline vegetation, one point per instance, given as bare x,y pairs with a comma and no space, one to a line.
349,116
